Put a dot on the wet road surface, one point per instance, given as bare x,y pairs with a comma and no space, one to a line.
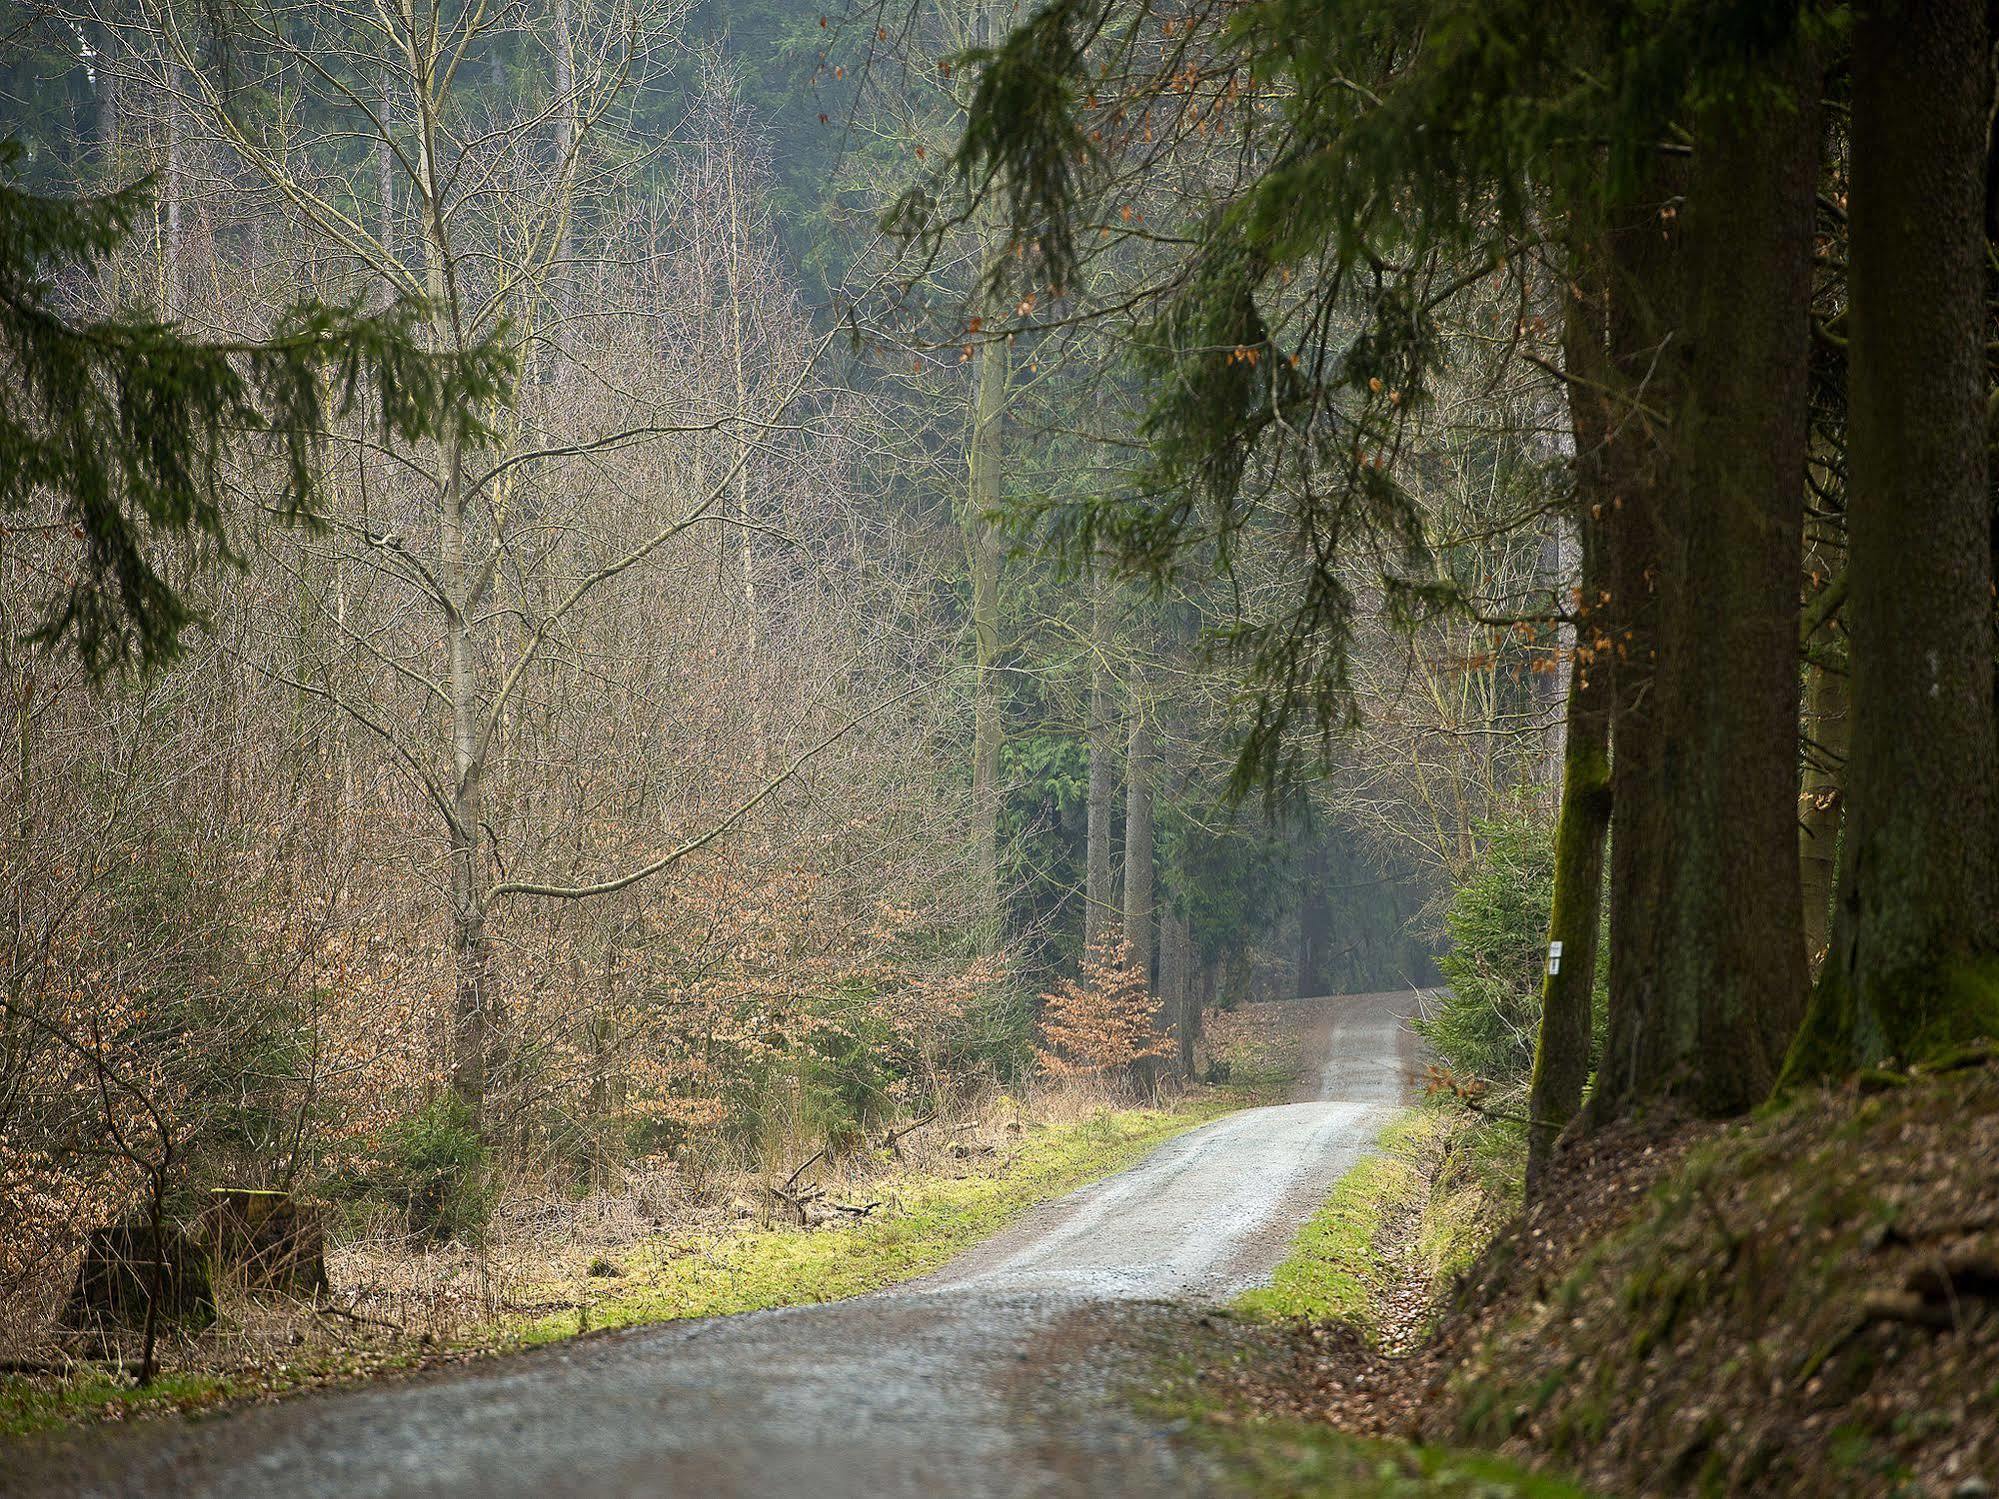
972,1381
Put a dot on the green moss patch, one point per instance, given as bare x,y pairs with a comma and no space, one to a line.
924,1221
34,1405
1205,1384
1335,1263
1278,1457
929,1223
1399,1227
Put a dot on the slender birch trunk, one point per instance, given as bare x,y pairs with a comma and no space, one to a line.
982,555
1138,915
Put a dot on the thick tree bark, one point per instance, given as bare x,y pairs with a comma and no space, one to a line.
1707,973
1728,971
1911,967
1138,838
1195,996
1645,308
1175,978
1562,1049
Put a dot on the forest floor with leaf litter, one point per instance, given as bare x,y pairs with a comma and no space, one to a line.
552,1266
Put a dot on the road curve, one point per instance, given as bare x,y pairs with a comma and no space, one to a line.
1212,1212
966,1382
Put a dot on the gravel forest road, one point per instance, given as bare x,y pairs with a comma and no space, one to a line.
984,1379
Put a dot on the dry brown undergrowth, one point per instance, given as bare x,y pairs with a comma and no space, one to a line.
398,1302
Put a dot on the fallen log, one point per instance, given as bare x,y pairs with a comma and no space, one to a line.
892,1141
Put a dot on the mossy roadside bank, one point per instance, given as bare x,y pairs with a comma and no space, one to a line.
1799,1303
1805,1302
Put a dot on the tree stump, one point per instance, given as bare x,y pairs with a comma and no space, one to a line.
270,1241
120,1270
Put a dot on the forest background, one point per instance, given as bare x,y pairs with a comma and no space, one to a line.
711,747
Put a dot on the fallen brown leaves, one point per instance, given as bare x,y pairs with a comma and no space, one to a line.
1805,1304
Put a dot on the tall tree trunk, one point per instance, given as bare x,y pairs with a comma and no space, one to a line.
1911,965
173,189
1562,1049
385,177
1174,979
982,556
1235,978
1099,907
739,352
1731,981
1725,967
1138,838
104,78
1315,922
606,1065
1826,723
1643,252
471,1035
1197,996
567,127
461,586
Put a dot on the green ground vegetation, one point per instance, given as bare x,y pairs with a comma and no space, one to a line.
30,1405
1272,1456
930,1220
1442,1179
1266,1455
1330,1269
1799,1300
1422,1208
923,1222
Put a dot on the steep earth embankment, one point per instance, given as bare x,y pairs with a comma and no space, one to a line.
1800,1304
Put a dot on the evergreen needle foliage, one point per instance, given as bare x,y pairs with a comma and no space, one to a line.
130,427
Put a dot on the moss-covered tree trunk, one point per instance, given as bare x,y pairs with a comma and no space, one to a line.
1138,914
1643,286
1562,1047
1101,917
1911,964
982,542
